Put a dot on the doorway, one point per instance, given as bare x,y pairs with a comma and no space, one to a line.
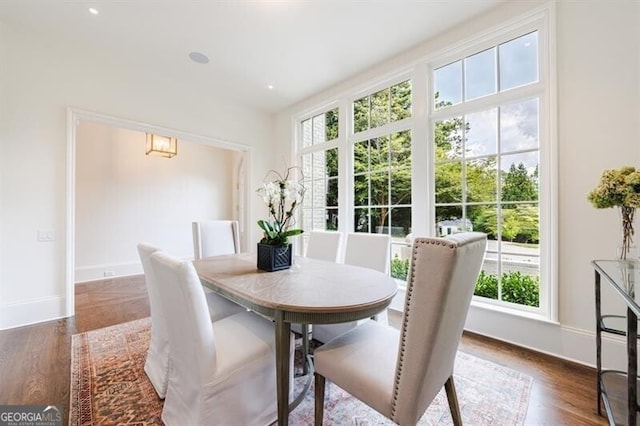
118,196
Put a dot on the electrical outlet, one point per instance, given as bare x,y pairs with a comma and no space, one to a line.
109,273
46,234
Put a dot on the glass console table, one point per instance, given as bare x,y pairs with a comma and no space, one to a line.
618,390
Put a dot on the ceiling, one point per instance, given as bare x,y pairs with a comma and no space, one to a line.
299,47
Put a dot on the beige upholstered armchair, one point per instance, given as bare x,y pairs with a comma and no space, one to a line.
398,373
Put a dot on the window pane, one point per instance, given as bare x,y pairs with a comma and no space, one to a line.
519,126
518,61
331,161
448,138
480,74
487,283
331,122
521,225
448,182
482,133
380,108
379,219
307,201
318,129
379,189
401,186
319,165
361,115
448,85
361,190
520,280
482,176
307,219
361,220
332,192
379,151
484,218
401,101
319,193
401,149
307,169
520,181
307,134
361,157
400,222
448,219
332,219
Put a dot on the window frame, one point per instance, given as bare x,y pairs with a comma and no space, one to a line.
419,71
544,91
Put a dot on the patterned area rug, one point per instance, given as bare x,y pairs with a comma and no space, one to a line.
109,387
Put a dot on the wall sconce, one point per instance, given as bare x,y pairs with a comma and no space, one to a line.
161,145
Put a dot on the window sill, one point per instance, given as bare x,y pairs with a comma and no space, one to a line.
512,311
478,304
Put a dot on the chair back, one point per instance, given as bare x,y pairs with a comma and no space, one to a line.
324,245
157,362
215,238
191,340
441,282
368,250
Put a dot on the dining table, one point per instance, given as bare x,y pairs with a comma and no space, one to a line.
309,292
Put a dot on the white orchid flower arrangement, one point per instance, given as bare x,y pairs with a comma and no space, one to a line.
282,196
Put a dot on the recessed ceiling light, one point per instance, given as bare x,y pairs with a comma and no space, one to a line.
199,58
93,11
270,87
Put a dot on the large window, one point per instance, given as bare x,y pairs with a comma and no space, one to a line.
460,142
381,169
487,162
319,161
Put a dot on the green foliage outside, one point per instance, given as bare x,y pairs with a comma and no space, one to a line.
382,187
516,288
399,268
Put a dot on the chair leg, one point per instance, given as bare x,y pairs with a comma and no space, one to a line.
453,401
319,399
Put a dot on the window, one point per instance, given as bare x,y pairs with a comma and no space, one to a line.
319,161
457,143
487,162
381,169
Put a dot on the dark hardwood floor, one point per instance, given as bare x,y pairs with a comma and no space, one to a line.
35,360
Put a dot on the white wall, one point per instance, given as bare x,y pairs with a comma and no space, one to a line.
124,196
39,79
598,79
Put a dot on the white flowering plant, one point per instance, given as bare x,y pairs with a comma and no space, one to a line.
282,196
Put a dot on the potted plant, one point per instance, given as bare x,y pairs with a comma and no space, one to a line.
282,196
619,188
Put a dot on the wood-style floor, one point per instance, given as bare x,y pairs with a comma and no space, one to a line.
35,360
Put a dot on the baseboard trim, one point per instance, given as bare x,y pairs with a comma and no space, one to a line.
569,343
112,270
33,311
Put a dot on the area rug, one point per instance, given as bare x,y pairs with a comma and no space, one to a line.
109,387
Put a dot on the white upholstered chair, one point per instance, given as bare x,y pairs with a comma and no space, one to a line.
324,245
369,251
215,237
157,362
399,372
221,372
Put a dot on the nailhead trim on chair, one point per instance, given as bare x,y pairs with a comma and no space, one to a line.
407,312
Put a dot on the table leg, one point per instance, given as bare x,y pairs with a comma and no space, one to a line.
283,341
